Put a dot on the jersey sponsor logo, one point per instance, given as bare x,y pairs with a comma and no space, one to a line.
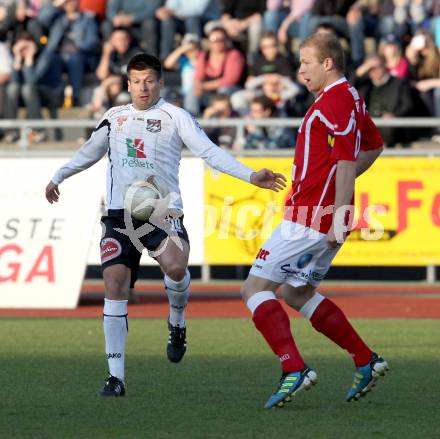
263,254
287,269
154,125
110,249
136,163
135,148
330,140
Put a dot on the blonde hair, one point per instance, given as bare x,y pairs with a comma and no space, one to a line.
326,46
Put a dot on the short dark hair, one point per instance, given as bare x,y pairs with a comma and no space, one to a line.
327,46
265,102
143,61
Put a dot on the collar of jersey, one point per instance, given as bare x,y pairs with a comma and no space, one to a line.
333,84
159,101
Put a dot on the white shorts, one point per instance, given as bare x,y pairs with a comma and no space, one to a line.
294,254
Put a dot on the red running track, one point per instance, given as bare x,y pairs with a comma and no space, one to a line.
209,300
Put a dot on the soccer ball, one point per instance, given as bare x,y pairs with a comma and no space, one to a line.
142,197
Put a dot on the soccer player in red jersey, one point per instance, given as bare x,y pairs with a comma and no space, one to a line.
337,141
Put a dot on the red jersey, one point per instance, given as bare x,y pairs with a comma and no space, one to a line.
336,127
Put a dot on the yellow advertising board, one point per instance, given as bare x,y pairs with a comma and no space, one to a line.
397,214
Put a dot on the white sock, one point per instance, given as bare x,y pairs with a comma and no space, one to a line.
258,298
115,332
178,293
309,307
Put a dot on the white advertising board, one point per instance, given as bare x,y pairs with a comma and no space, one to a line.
44,247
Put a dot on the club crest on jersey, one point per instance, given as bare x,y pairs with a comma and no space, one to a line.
153,125
330,140
121,120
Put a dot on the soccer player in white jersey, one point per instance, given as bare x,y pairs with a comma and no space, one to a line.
337,141
141,139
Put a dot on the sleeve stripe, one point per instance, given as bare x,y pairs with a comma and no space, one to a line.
350,126
104,123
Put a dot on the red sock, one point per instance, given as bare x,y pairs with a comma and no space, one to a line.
273,322
331,321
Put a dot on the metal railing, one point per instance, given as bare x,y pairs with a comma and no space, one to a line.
24,125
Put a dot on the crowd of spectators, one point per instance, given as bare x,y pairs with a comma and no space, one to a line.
222,58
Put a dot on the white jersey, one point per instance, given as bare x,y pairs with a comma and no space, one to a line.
140,143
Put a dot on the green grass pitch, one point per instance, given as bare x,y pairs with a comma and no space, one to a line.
50,371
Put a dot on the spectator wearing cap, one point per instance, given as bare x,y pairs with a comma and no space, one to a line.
390,48
184,57
138,17
183,16
219,69
385,97
288,19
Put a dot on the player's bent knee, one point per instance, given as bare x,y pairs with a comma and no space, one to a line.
296,297
176,272
254,284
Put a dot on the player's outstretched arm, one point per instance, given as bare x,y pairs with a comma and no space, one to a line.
267,179
52,192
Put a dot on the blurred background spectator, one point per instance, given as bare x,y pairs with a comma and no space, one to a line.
139,17
36,79
7,17
183,16
269,58
346,17
185,58
97,7
424,60
243,21
390,49
27,19
74,39
116,53
5,75
288,19
218,55
219,69
281,90
220,108
271,137
385,96
112,72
